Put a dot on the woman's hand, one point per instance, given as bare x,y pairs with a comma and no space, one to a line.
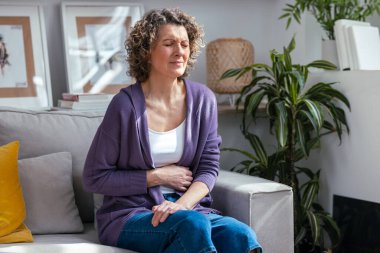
173,176
162,211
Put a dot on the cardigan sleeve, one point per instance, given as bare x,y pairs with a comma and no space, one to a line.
101,173
208,167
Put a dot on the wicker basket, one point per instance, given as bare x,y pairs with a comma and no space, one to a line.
223,54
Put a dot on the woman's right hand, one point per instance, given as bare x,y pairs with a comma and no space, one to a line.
173,176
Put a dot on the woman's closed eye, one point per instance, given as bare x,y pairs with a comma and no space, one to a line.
183,45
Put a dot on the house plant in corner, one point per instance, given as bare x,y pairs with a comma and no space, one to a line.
299,117
326,12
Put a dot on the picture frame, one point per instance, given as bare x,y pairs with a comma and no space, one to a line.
24,66
94,37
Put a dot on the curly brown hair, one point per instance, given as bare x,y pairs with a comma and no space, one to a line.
145,33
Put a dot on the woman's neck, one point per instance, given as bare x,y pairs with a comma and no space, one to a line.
160,89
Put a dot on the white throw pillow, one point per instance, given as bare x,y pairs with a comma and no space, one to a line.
47,184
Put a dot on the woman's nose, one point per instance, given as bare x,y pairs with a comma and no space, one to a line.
179,50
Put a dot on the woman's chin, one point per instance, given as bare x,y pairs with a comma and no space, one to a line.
177,74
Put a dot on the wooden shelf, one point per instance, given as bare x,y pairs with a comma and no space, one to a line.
226,108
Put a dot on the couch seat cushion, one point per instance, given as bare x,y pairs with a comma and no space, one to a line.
63,243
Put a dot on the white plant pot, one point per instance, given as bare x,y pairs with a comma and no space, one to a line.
329,52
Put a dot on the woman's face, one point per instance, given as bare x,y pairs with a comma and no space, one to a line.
170,53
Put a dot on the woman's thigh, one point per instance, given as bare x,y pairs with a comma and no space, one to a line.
183,231
138,232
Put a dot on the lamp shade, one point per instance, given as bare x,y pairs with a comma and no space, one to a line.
227,53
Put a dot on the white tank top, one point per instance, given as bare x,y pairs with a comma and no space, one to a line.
167,148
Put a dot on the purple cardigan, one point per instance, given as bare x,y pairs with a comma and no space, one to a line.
119,156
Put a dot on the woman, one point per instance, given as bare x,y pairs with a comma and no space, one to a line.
155,157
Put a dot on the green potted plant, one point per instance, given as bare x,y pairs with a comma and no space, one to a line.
326,12
299,117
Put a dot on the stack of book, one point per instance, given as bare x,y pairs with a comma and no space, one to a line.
358,45
85,101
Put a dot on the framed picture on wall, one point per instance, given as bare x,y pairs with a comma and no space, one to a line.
94,35
24,68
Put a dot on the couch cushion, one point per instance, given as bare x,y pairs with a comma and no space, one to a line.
12,205
42,133
47,183
20,234
63,243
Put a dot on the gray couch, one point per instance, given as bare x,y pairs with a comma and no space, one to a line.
264,205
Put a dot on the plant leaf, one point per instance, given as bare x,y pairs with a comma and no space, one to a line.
258,147
315,111
300,236
311,191
281,124
301,137
296,86
322,64
337,94
284,16
331,228
315,226
306,171
244,71
254,101
231,73
317,89
243,152
242,166
292,44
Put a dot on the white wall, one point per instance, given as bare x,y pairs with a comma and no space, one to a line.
255,20
352,169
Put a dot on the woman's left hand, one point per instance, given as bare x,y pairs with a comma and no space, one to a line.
162,211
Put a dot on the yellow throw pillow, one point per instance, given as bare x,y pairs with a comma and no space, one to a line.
21,234
12,205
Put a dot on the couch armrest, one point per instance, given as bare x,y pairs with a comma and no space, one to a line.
264,205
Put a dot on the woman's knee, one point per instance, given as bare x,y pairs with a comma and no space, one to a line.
231,235
194,221
192,232
242,230
229,227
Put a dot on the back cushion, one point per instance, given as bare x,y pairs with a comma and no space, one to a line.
41,133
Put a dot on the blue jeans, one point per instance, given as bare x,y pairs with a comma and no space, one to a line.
187,232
